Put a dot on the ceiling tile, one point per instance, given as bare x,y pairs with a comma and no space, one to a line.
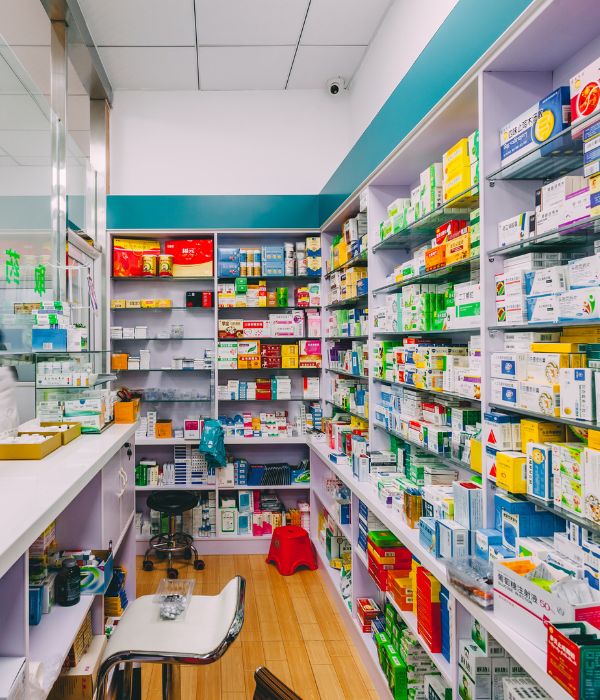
140,22
163,68
24,22
244,68
21,112
26,144
338,22
9,83
315,65
249,23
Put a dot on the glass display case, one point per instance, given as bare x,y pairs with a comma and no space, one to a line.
71,386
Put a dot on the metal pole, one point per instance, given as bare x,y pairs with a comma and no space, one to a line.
58,103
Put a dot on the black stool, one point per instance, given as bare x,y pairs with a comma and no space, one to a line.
172,503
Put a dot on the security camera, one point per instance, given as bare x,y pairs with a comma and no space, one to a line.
336,85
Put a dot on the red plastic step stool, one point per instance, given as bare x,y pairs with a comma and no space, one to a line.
290,548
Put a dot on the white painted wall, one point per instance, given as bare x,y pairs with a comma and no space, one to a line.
254,142
405,32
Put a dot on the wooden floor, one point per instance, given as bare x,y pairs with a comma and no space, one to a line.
291,627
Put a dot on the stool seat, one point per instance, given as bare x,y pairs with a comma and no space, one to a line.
172,502
290,548
209,626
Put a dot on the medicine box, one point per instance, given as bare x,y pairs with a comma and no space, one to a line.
545,309
584,272
516,228
506,365
539,398
577,393
546,281
511,471
524,606
452,540
539,431
584,87
579,304
539,471
538,124
484,538
543,367
468,504
505,391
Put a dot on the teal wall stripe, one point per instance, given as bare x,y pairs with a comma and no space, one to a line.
468,32
212,211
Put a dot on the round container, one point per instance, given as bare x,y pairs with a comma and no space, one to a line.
149,265
68,589
282,296
165,265
207,299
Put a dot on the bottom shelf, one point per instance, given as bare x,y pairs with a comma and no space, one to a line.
443,666
50,641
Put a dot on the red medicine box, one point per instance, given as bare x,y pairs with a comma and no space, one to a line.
192,257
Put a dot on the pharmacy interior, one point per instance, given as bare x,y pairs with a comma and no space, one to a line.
266,438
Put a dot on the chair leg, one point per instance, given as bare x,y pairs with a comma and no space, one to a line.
171,682
127,683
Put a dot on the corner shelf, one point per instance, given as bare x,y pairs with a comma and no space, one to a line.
430,392
455,272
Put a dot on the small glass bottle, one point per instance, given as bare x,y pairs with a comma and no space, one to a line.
68,590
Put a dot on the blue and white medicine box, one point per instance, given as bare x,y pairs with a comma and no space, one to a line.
500,431
48,339
484,539
452,539
540,481
536,126
468,504
245,501
506,502
427,528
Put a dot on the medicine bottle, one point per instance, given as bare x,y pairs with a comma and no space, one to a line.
68,590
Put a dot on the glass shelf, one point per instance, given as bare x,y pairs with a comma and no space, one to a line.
554,158
284,370
444,459
556,326
266,308
343,373
168,308
165,369
202,400
561,512
157,278
270,338
293,398
419,232
431,392
585,424
256,278
359,260
578,233
128,340
360,301
454,272
346,410
102,379
449,331
346,337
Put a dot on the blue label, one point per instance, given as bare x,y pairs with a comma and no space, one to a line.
579,375
592,155
509,395
508,367
591,131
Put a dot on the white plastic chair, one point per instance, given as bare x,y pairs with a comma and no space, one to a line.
210,625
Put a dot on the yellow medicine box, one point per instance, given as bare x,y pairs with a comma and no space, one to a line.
558,347
248,361
133,304
511,471
289,350
118,304
457,157
476,456
458,248
541,431
289,362
594,439
456,183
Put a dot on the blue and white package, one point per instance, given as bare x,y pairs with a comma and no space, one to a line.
541,123
484,539
540,481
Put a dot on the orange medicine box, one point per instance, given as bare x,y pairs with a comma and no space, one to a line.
436,257
119,361
458,248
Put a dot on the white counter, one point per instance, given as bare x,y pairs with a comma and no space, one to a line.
35,492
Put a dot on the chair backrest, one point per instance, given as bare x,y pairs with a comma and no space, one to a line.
269,687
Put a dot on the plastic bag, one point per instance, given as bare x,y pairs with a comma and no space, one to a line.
212,443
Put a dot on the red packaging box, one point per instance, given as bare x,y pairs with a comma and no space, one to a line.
270,350
270,362
454,226
192,257
128,253
380,577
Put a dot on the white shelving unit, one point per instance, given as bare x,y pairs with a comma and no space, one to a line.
535,56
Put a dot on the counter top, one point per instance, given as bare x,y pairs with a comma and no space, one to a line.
35,492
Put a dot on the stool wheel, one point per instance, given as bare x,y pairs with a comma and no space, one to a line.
199,565
148,565
187,553
172,573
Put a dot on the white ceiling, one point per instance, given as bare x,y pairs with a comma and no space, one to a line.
231,44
